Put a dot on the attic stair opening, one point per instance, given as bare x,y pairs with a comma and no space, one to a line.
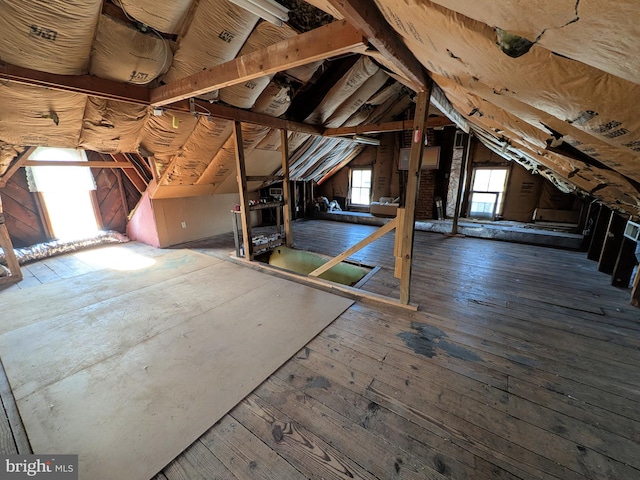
66,193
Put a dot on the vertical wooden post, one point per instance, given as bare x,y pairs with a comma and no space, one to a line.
624,264
9,254
286,189
242,188
599,231
612,243
411,194
461,182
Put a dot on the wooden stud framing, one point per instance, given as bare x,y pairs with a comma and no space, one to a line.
9,254
242,188
461,183
612,243
625,262
286,189
406,230
330,40
598,233
386,228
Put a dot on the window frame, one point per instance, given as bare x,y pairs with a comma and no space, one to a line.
352,187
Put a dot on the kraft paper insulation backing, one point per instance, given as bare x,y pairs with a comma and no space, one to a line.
52,36
216,34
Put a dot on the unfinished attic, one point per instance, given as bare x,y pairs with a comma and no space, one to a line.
250,239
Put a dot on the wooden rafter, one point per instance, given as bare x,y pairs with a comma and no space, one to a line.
131,171
364,14
85,84
399,126
328,41
24,156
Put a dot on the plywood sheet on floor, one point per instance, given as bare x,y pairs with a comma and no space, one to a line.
131,378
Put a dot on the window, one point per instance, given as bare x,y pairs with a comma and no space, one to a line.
360,186
66,192
487,192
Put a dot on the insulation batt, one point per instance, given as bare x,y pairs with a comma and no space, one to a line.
592,100
124,54
244,95
52,36
110,126
59,247
215,35
603,34
198,151
344,88
40,116
166,134
7,154
163,15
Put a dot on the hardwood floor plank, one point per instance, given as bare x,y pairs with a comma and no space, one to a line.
197,463
244,454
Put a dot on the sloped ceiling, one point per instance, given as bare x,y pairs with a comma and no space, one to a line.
549,84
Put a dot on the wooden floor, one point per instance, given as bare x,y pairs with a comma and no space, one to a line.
522,363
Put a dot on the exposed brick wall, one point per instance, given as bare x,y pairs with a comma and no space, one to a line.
425,206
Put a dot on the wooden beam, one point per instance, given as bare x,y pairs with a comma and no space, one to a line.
84,84
242,188
399,126
131,172
286,189
217,110
364,14
91,164
386,228
407,229
17,164
9,254
328,41
263,178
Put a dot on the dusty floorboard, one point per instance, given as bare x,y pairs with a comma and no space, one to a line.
521,364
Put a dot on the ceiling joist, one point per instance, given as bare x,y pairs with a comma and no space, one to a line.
328,41
364,14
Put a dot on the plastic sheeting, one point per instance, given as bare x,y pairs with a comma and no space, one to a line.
40,116
59,247
52,36
110,126
601,34
344,88
124,54
164,15
465,51
244,95
215,35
